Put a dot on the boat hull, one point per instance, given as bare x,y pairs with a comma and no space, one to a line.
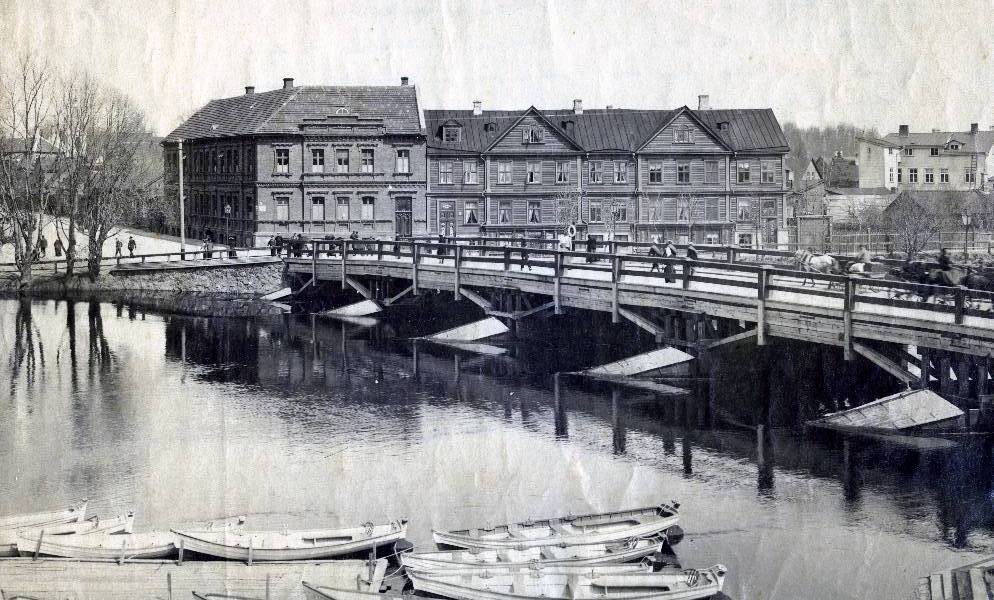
73,514
323,592
586,529
122,524
238,547
100,546
596,554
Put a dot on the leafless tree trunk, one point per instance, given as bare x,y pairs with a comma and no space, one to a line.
913,224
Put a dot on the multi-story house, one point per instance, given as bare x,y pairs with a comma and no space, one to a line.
713,176
316,160
937,160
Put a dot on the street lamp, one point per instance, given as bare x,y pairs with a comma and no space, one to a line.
967,220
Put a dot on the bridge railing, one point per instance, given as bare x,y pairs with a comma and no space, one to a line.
58,265
749,278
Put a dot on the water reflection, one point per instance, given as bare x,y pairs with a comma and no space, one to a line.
298,419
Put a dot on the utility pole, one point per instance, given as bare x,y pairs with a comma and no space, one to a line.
182,215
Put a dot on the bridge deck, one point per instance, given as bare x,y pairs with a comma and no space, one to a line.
199,263
783,302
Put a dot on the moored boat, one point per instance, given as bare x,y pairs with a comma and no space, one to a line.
571,530
324,592
113,546
292,545
570,583
73,514
119,524
587,554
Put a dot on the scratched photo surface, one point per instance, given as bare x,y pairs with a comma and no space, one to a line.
446,266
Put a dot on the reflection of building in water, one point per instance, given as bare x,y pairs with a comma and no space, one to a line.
228,347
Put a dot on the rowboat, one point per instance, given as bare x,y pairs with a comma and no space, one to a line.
324,592
120,524
570,583
113,546
599,528
544,556
73,514
292,545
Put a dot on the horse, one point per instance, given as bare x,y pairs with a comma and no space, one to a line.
816,263
917,272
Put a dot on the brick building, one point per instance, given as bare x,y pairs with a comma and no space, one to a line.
631,174
316,160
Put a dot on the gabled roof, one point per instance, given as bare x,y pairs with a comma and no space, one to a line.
943,202
981,142
877,141
532,111
607,130
683,110
284,110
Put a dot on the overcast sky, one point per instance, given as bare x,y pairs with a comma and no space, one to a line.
928,64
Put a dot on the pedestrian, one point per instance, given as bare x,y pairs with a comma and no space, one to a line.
42,245
945,261
278,244
864,258
132,244
272,246
655,251
441,249
691,258
58,247
117,247
591,248
669,251
524,254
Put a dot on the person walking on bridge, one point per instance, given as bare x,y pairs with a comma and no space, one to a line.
591,248
117,248
691,258
58,247
132,244
669,251
655,251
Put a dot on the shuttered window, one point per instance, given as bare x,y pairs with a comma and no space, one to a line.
282,208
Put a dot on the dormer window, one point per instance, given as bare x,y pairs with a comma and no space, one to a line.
532,135
490,127
954,146
683,135
451,133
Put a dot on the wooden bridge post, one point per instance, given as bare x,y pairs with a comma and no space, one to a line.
924,379
983,368
960,297
761,305
615,268
314,262
730,254
458,260
507,259
963,367
944,381
557,294
414,268
345,252
847,306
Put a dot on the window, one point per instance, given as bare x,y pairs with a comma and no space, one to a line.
533,173
683,135
929,175
235,164
767,169
317,208
504,211
909,151
912,175
532,135
596,172
504,172
469,208
933,151
248,206
743,172
282,160
655,172
317,160
683,173
621,213
562,172
943,175
745,239
890,174
711,209
282,208
534,212
900,173
342,160
710,171
445,172
971,176
451,134
683,209
743,209
366,213
954,146
342,209
366,166
403,161
595,212
620,172
469,174
655,209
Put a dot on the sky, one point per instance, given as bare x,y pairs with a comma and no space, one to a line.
874,64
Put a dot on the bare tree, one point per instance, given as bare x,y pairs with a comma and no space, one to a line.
28,174
913,223
568,208
690,209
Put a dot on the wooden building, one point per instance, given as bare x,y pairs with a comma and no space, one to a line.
713,176
321,161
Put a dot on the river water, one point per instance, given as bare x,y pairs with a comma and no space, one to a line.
301,422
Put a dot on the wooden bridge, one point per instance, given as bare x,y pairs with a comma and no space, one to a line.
760,288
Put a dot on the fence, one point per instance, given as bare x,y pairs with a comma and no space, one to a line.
975,242
80,265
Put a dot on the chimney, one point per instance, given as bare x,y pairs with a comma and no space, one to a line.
404,81
974,128
250,89
477,107
609,107
903,131
288,83
577,107
703,102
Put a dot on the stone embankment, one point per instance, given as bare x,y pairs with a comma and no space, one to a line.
224,291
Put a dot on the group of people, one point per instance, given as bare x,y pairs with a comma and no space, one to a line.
119,245
667,249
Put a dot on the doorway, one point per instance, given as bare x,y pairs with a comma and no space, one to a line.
402,217
447,218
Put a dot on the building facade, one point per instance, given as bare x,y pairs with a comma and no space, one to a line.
711,176
932,161
321,161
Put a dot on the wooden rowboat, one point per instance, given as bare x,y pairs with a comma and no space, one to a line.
600,528
543,556
120,524
570,583
119,546
292,545
324,592
73,514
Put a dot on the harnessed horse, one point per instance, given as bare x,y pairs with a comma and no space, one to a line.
809,262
